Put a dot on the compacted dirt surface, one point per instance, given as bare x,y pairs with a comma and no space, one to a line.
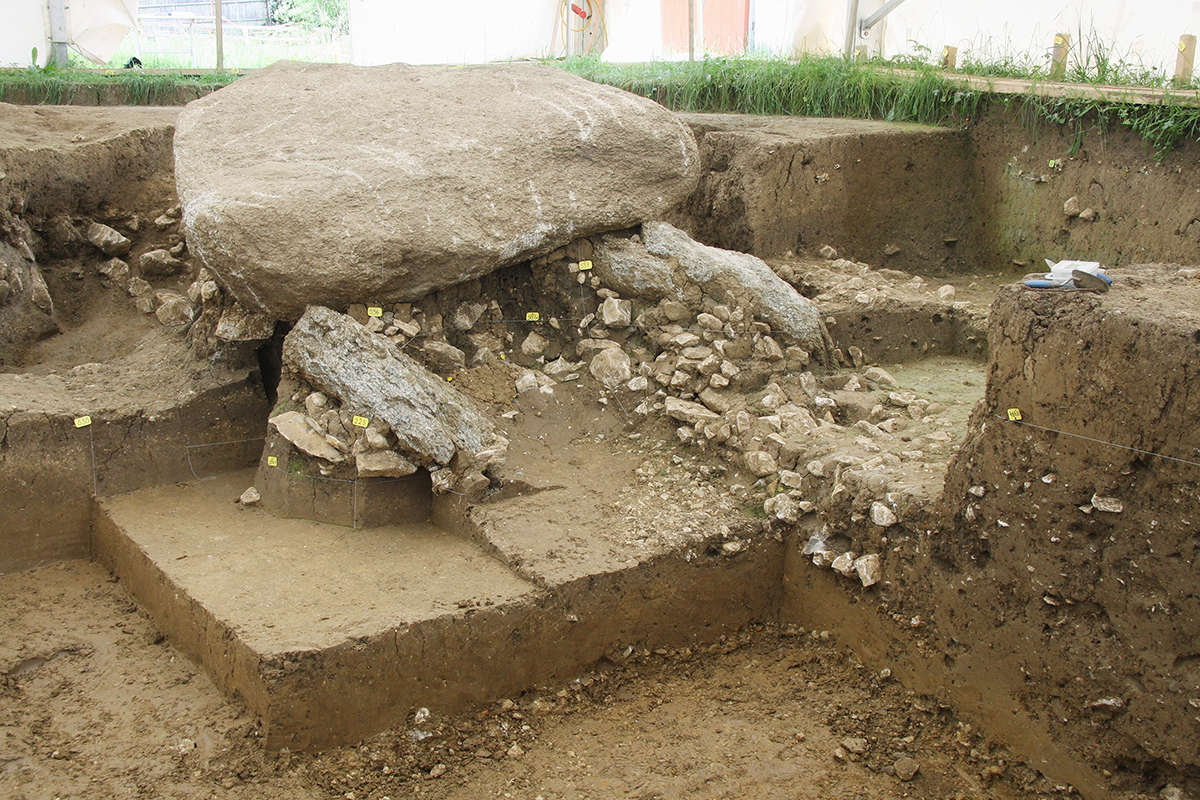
98,705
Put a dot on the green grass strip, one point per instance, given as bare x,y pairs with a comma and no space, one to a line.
824,86
809,86
126,87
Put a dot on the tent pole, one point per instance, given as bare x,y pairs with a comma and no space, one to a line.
58,34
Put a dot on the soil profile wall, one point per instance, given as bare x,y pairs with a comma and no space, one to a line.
1081,521
50,468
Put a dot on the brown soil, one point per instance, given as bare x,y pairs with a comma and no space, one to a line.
93,702
97,704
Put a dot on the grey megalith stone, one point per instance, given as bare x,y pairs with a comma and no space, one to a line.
331,184
431,419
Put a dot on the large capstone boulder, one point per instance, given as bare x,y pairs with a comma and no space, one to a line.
332,184
432,420
666,261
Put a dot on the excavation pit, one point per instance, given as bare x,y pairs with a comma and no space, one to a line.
615,534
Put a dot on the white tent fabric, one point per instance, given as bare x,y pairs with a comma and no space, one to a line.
95,28
423,32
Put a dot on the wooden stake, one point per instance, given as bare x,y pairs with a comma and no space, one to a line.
1058,56
949,57
220,35
1187,55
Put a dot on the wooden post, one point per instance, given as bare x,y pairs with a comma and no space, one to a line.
1183,64
949,57
220,35
691,30
1058,56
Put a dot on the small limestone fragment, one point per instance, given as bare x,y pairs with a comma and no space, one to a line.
293,427
250,497
240,324
534,344
615,313
611,367
174,310
906,768
160,262
526,382
882,515
880,376
1071,207
869,569
116,272
383,463
782,508
855,745
1112,505
844,564
946,292
761,463
110,242
828,252
444,358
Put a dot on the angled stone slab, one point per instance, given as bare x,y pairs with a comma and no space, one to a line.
431,419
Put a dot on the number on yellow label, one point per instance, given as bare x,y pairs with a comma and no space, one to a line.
83,422
360,422
374,311
1014,414
584,266
272,461
532,316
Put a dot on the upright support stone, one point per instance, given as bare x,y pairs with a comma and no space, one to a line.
949,57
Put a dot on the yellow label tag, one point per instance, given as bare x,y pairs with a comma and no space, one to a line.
1182,47
449,379
533,316
584,266
374,311
1059,40
272,461
83,422
502,357
360,422
1014,414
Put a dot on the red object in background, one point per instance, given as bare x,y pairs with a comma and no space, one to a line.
725,25
578,11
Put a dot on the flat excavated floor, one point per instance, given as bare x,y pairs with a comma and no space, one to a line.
284,585
331,634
